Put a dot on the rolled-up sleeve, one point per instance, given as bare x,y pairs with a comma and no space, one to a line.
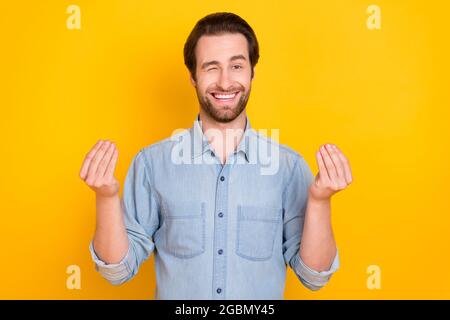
141,218
295,198
313,279
115,273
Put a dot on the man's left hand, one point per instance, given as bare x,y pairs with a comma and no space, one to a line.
334,173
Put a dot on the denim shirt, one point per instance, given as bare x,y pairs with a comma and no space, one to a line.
217,231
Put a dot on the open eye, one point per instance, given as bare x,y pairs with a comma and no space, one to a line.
237,66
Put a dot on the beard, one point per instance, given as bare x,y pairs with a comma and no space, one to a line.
223,113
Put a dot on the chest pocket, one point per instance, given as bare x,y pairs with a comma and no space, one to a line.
256,231
184,234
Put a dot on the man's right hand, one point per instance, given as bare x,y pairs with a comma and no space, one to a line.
98,169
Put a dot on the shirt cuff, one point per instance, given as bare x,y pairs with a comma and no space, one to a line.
311,278
114,272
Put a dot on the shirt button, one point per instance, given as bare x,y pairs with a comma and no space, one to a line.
220,251
219,290
222,178
220,214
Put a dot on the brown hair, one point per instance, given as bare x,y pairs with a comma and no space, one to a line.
215,24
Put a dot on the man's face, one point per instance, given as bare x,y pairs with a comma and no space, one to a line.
223,75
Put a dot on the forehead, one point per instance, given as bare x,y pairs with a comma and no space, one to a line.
221,47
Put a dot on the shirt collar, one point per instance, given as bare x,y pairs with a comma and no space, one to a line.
201,145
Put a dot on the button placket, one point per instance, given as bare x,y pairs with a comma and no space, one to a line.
220,234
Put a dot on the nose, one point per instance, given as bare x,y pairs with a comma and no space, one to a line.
224,80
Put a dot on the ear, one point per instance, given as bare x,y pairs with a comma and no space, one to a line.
193,82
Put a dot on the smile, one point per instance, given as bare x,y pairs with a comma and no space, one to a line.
224,97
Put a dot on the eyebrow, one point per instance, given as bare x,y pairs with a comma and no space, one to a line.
215,62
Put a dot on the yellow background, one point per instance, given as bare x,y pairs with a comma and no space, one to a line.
381,95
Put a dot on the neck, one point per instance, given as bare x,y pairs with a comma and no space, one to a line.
223,137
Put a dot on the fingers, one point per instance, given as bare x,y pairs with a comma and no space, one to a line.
105,160
112,165
322,169
332,151
96,160
331,169
342,172
88,159
346,165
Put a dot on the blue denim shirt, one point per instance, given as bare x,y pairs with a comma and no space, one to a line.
217,231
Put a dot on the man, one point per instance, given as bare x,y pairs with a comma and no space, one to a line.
219,226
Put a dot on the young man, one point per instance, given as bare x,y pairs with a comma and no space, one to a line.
220,227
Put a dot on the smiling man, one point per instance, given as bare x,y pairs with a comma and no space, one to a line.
218,227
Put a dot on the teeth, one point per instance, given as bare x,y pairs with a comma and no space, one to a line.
225,96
